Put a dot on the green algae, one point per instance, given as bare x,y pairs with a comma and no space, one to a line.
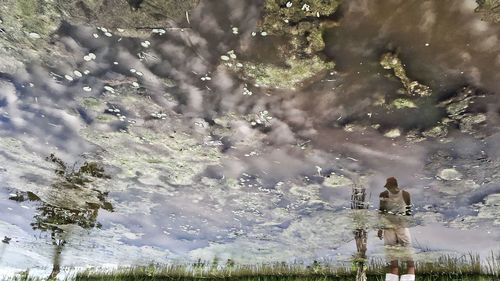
458,109
403,103
26,28
134,19
28,25
470,123
30,16
179,158
280,18
92,104
438,131
293,76
299,60
489,10
459,104
391,61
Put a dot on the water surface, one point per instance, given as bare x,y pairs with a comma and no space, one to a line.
190,175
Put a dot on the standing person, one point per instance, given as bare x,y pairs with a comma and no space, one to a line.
395,204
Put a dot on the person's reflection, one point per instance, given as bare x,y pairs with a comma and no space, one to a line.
395,204
360,236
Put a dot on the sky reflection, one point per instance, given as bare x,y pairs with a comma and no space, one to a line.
200,168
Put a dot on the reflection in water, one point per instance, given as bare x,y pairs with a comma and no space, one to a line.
57,220
395,205
5,241
358,197
212,154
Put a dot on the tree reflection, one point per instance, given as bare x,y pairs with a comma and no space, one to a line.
52,219
358,197
3,245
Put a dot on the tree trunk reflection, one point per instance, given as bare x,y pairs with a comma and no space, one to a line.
358,197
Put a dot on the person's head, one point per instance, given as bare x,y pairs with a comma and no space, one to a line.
392,185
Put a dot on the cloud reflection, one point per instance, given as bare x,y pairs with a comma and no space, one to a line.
204,170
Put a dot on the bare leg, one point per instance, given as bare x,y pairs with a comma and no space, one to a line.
394,267
411,267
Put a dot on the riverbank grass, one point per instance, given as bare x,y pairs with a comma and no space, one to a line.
467,267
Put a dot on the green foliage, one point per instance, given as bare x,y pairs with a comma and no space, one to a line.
6,240
447,268
50,218
80,176
465,267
